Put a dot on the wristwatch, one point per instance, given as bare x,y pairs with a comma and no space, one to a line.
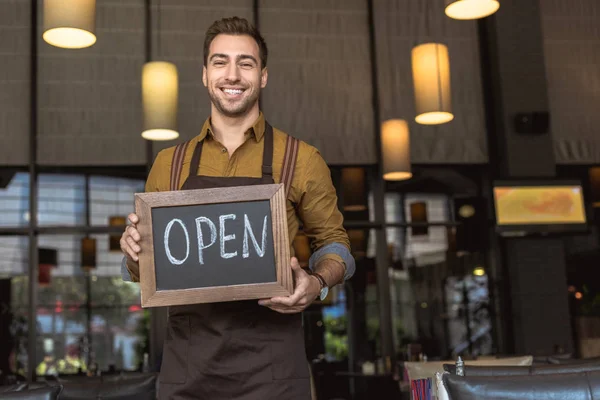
324,288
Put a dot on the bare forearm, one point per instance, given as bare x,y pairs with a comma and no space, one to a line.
331,270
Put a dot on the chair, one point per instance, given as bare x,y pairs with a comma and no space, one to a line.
578,386
548,369
19,392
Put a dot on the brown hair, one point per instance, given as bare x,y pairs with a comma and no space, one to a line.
235,26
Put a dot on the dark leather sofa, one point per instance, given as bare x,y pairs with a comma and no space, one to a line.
117,387
548,369
23,392
578,386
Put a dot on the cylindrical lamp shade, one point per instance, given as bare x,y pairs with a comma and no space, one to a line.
595,185
471,9
395,144
431,78
70,24
354,191
88,253
418,213
160,91
114,239
47,260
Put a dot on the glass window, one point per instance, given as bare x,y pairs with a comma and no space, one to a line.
15,201
61,200
112,197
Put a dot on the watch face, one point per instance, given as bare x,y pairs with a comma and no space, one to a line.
324,293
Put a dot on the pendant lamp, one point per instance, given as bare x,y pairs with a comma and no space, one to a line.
88,253
114,239
418,214
69,24
395,144
594,173
47,260
354,193
159,97
471,9
160,92
431,78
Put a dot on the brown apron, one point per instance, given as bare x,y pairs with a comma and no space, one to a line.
233,350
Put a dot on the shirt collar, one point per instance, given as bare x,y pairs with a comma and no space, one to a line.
257,129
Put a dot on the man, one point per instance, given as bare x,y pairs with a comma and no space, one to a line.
246,349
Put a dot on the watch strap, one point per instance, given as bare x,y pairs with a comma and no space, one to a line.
321,279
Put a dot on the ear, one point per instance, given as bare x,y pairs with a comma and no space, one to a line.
204,80
264,75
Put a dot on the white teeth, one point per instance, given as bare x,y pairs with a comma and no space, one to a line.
233,91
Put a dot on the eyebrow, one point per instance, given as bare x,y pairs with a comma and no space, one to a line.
239,58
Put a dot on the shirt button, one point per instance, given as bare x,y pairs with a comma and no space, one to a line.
223,150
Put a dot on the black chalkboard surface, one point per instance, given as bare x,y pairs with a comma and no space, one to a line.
213,245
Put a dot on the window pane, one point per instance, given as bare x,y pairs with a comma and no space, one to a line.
62,336
61,200
15,201
112,197
117,337
14,255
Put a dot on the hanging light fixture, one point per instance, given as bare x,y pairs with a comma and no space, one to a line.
418,213
594,174
471,9
88,253
160,92
354,193
47,260
431,78
159,97
70,24
395,143
114,239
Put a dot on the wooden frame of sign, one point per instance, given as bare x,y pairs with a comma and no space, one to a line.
146,203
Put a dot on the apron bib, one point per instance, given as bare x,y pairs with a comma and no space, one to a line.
233,350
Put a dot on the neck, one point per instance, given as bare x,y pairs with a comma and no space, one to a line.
229,130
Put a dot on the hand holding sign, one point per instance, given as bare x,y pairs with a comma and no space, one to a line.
130,239
306,290
213,245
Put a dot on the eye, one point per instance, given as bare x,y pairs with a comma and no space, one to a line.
218,63
246,65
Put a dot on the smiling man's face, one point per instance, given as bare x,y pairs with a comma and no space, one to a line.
233,74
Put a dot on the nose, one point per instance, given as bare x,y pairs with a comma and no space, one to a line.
232,73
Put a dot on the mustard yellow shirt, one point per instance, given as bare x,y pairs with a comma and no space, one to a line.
312,200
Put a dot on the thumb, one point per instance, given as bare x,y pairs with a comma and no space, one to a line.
295,264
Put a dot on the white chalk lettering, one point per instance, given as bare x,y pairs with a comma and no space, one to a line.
248,230
223,238
213,236
172,259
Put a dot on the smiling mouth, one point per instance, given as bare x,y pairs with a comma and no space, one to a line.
233,92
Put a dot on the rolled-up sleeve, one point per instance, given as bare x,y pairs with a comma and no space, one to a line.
321,219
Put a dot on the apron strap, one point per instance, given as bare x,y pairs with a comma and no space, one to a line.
267,163
177,165
289,162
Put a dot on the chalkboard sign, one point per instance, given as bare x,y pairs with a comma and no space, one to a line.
213,245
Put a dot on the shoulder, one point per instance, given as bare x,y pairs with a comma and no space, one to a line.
305,150
165,156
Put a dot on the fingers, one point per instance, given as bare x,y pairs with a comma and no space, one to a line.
127,249
134,233
130,237
133,218
295,265
287,310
